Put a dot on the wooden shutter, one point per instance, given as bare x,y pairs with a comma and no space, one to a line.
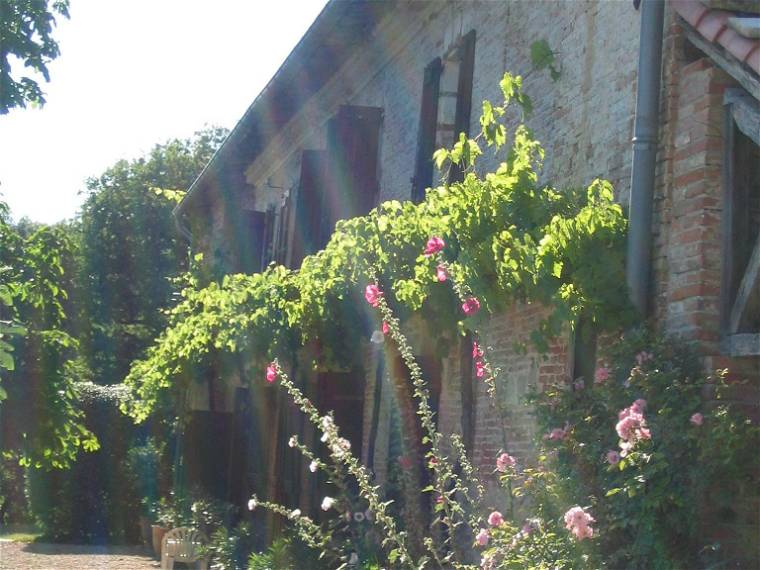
308,206
353,138
283,225
252,246
464,96
423,170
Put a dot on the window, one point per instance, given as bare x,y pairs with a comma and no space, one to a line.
444,111
740,289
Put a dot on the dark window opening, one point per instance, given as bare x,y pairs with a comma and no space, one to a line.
464,97
740,290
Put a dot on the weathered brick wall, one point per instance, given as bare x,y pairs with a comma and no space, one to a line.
584,120
688,258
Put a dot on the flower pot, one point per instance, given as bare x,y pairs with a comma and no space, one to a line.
157,534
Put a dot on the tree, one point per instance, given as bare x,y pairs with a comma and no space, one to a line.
25,35
131,250
42,422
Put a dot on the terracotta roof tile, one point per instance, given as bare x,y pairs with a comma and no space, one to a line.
713,26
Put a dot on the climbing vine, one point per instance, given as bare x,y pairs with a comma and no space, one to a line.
508,238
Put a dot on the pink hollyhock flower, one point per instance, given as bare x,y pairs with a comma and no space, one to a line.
385,328
271,373
440,273
433,460
372,294
470,306
482,537
477,352
504,462
439,499
434,245
480,369
495,518
613,457
578,522
697,419
601,375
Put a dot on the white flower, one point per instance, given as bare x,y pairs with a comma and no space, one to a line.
295,513
327,422
323,439
252,504
313,466
327,503
292,441
341,447
377,337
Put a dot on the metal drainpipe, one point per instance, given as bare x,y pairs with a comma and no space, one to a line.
639,258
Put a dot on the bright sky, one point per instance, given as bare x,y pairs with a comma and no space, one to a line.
133,73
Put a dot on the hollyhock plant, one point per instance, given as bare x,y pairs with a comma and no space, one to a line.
697,419
434,245
505,462
578,522
470,306
441,273
495,518
327,503
271,372
372,294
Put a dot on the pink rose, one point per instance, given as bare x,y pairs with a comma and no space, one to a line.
434,245
482,537
578,522
271,373
697,419
470,306
440,273
505,462
373,294
495,518
602,375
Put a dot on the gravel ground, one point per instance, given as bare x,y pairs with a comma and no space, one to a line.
38,556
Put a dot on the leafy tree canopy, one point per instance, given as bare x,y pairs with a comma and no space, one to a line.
26,28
